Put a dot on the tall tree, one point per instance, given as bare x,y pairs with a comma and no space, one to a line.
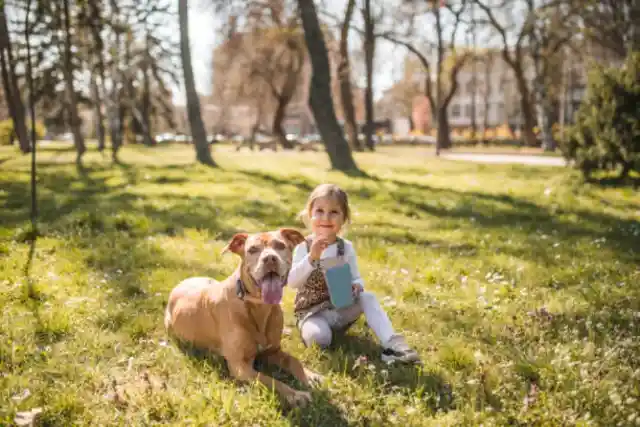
551,29
320,92
515,53
447,19
92,26
274,48
344,76
613,24
261,63
474,73
10,84
78,138
32,115
114,106
487,61
369,45
203,152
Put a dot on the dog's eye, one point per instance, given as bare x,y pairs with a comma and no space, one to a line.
278,245
253,250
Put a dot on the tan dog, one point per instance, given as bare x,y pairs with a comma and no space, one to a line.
240,318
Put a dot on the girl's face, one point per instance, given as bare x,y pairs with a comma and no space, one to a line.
327,218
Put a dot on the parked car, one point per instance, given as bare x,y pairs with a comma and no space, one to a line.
362,137
164,138
293,138
214,139
311,138
387,138
182,138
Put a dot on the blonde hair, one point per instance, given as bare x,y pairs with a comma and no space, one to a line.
326,191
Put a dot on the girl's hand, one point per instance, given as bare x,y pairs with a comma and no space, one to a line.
318,245
357,289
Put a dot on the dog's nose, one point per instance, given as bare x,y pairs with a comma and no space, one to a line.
270,260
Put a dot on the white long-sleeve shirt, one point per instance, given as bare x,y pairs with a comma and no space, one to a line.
301,267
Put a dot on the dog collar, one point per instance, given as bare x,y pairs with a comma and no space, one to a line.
241,290
243,293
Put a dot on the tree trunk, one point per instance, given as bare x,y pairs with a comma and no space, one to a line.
443,133
114,108
444,136
10,84
369,51
624,172
284,96
128,101
78,138
344,75
146,108
488,66
546,119
320,91
146,94
277,129
474,73
198,134
98,90
527,110
97,113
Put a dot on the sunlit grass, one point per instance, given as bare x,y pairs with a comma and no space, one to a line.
517,285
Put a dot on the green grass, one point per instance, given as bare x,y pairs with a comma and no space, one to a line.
517,285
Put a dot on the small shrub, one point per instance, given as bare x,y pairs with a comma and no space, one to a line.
606,135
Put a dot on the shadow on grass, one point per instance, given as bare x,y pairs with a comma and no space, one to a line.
5,159
490,211
358,356
503,211
321,411
45,333
301,183
616,182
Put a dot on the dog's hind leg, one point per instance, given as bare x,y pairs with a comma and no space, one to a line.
244,371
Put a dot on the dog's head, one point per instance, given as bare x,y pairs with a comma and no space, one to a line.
266,260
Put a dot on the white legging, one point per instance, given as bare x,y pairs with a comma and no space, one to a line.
318,327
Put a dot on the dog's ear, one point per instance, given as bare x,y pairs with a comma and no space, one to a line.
236,245
292,236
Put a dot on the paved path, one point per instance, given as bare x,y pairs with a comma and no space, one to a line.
507,158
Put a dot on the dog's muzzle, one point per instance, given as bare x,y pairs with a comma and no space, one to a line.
271,283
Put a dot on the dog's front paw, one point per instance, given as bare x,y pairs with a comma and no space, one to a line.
299,399
314,378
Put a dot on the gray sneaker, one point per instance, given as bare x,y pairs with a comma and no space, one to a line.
397,350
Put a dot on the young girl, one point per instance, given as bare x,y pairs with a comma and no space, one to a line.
327,210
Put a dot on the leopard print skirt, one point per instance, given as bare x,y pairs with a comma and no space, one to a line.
313,297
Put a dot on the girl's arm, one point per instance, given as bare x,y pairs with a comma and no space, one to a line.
352,259
301,268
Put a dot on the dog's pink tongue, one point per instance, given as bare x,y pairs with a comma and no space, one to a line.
271,286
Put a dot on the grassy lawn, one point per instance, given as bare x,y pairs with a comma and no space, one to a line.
519,286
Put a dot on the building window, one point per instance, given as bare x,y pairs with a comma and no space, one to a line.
455,111
467,110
